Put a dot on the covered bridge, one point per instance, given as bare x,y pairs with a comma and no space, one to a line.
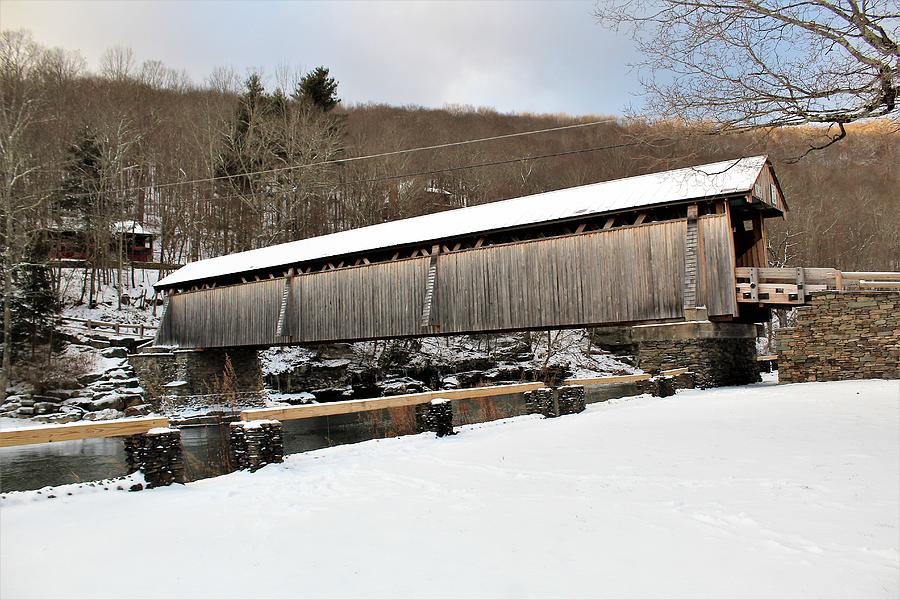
636,250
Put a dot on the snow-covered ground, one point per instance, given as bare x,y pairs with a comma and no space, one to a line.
761,491
139,308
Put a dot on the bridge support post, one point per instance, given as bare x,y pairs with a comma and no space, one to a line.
565,400
717,353
158,454
255,444
436,416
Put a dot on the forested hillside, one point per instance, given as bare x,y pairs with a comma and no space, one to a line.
118,146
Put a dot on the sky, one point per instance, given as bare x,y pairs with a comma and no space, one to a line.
540,56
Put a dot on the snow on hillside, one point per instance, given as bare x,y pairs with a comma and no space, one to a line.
138,309
763,491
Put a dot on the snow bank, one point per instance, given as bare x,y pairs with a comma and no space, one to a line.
764,491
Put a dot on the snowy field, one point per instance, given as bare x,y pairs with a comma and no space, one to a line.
759,492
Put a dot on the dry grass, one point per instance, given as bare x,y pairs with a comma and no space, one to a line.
403,420
490,410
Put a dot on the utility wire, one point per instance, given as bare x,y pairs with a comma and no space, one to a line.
338,161
456,168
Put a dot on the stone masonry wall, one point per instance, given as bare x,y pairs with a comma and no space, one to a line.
842,335
714,362
200,369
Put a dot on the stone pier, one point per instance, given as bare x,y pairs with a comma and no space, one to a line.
158,455
196,372
255,444
564,400
718,353
436,416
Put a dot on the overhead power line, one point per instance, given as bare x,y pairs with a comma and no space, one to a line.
337,161
492,163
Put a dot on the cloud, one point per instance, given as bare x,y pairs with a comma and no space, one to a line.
529,56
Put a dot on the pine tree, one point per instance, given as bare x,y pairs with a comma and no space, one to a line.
34,304
318,89
82,175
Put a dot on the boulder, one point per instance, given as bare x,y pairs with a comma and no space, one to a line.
119,374
103,415
138,410
401,385
89,378
44,408
132,400
114,352
46,398
110,401
24,411
301,398
60,418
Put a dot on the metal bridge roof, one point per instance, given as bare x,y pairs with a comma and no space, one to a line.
667,187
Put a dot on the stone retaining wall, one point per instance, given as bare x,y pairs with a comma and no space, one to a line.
842,335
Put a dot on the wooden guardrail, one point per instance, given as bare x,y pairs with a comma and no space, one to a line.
344,407
327,409
621,378
79,431
139,329
122,427
791,285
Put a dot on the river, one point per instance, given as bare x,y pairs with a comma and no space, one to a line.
205,447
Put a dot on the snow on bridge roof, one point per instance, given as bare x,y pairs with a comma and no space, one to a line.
715,179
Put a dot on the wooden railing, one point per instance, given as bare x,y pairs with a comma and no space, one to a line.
122,427
139,329
791,286
79,431
308,411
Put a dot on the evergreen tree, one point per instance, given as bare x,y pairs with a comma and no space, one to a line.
34,304
318,89
82,175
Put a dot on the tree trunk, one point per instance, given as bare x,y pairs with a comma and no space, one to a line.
7,307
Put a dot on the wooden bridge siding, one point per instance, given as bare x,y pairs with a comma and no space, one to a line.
381,300
238,315
623,275
630,274
717,291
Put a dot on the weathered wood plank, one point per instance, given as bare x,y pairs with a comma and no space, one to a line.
79,431
352,406
620,378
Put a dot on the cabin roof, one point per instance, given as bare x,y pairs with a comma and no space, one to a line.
722,178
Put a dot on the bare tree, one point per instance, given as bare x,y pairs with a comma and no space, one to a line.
62,66
747,64
117,63
19,110
224,80
153,73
